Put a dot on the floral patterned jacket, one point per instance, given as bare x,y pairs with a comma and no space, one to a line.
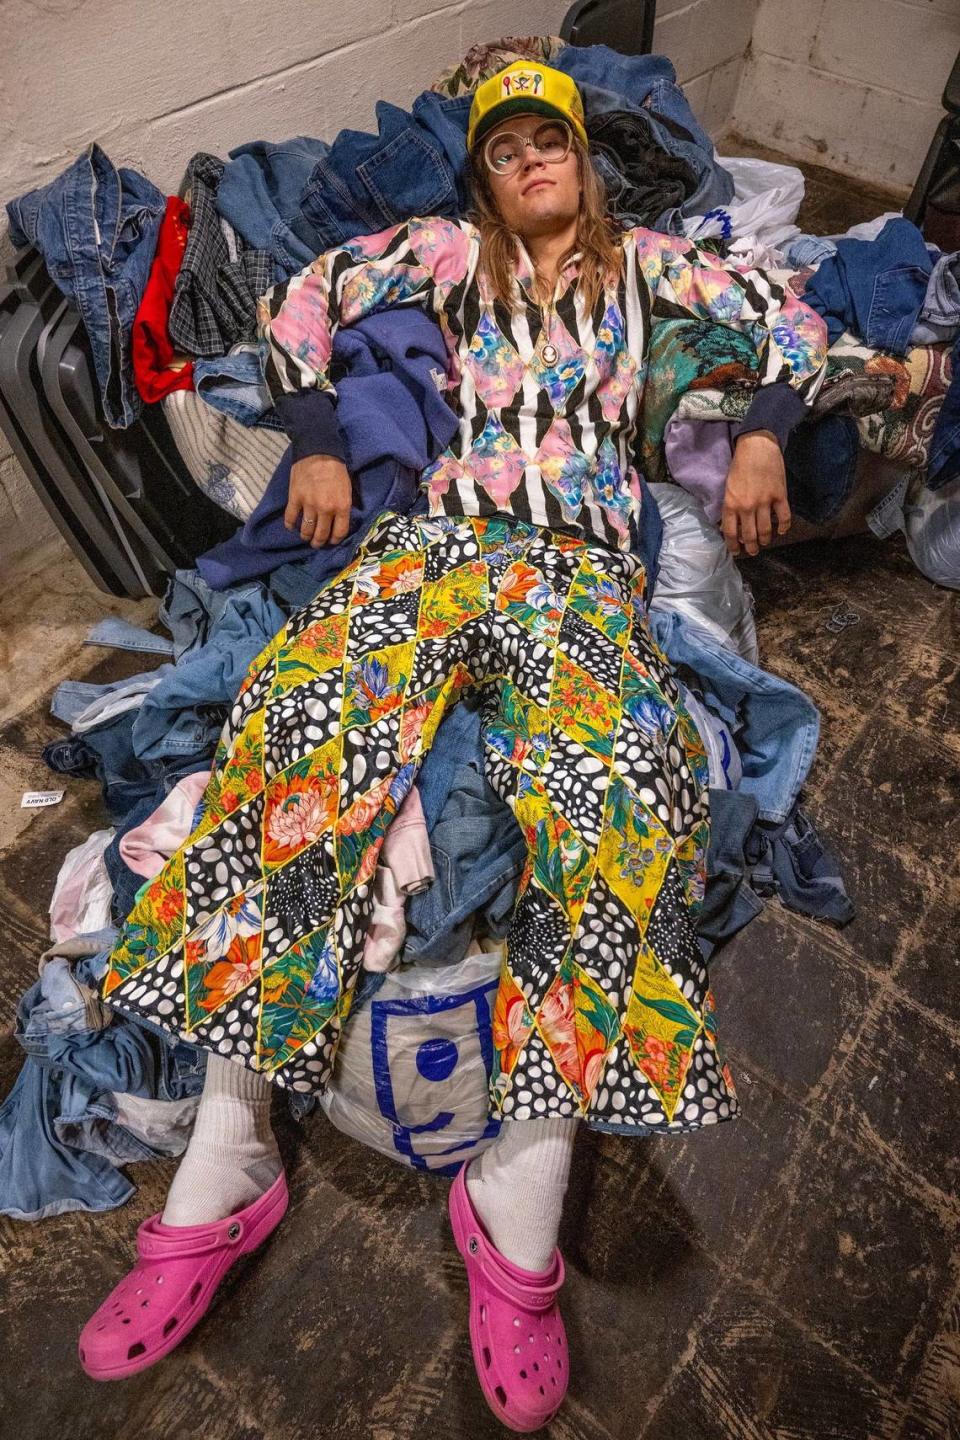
547,420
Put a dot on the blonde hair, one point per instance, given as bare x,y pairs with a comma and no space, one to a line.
598,239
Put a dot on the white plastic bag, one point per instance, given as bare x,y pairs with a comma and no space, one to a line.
764,206
413,1064
930,520
83,892
933,534
697,575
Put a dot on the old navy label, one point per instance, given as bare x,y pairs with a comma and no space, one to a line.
36,799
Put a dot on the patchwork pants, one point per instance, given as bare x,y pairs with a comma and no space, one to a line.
250,940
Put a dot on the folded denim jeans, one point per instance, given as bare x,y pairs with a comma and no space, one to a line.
609,81
259,193
415,165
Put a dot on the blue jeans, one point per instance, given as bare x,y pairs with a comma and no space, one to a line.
415,165
60,1142
107,754
234,384
775,726
944,462
876,288
180,719
821,462
260,193
477,846
96,228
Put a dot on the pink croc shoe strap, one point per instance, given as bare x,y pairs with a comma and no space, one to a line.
529,1289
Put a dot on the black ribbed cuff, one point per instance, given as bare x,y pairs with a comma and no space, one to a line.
310,419
777,408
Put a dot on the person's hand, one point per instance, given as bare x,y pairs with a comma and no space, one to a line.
319,500
756,493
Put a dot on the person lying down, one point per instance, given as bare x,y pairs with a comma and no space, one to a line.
515,585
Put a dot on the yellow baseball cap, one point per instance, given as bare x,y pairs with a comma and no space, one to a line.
525,88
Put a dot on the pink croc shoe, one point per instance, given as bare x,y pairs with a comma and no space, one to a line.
519,1343
170,1288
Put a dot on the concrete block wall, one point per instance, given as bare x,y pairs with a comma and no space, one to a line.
707,40
155,85
854,85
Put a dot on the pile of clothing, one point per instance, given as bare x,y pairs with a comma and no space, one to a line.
891,302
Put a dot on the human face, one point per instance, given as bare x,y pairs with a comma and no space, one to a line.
540,197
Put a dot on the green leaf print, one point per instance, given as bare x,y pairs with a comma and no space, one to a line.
669,1009
601,1016
547,866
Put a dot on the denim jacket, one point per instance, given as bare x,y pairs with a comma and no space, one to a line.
260,193
875,288
96,228
477,846
610,81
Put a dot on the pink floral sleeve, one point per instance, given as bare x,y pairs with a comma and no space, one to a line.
416,263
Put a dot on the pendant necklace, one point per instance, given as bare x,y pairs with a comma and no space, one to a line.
547,351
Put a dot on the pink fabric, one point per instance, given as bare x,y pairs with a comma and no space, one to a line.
405,868
147,848
406,850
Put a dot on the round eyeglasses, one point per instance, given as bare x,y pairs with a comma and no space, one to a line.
504,153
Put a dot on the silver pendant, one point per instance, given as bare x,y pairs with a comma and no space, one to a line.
549,354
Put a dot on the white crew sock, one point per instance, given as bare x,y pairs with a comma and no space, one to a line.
517,1188
232,1157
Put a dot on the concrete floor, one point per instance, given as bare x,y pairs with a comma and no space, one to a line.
790,1277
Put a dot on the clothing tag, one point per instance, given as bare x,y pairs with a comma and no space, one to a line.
37,799
438,378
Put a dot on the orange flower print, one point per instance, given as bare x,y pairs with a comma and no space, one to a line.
169,907
232,975
411,725
516,584
364,811
511,1024
654,1061
368,865
558,1025
592,1070
194,952
300,808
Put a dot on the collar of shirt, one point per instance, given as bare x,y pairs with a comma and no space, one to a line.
525,271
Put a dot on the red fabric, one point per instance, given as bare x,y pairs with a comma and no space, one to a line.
152,347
